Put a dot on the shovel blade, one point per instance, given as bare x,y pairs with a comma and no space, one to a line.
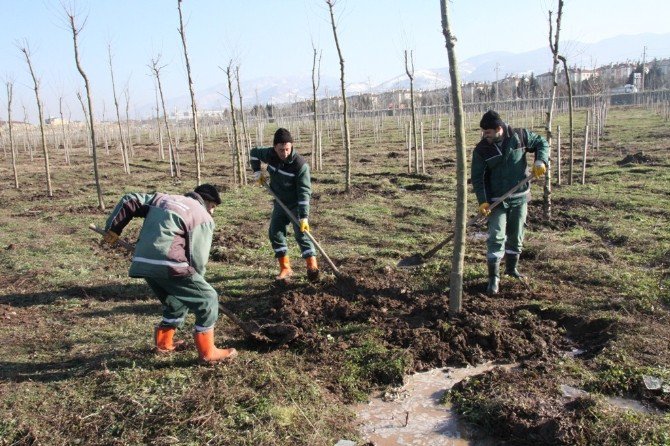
414,260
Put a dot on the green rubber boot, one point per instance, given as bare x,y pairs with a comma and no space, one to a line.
511,263
494,277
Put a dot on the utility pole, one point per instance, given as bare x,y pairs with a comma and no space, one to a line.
644,59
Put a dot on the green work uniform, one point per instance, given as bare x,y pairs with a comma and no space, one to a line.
290,181
496,168
172,253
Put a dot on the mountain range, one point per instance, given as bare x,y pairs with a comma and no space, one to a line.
481,68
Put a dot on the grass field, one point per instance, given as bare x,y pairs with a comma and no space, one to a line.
76,358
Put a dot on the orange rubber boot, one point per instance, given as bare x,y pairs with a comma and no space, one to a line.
204,342
312,269
163,337
285,271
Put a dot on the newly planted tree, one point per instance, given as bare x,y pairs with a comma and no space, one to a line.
194,108
316,137
345,118
240,174
457,262
36,83
173,153
124,151
75,32
409,69
553,46
10,95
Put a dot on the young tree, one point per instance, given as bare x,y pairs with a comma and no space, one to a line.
124,151
194,108
409,69
457,262
75,33
240,177
173,153
36,82
245,135
553,46
345,135
316,80
10,95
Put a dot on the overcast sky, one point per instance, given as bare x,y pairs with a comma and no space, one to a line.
274,38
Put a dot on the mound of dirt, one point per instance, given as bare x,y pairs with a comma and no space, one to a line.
636,158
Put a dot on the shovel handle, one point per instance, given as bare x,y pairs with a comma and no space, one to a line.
310,236
478,218
121,242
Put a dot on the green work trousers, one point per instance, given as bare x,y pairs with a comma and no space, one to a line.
181,294
278,224
506,229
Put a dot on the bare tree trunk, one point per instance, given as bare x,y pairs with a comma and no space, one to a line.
458,258
409,69
75,32
26,51
247,152
66,144
124,151
570,117
129,137
345,135
239,165
553,45
558,155
10,95
161,149
316,80
194,108
173,153
586,145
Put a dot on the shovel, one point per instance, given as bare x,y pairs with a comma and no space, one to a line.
418,259
295,221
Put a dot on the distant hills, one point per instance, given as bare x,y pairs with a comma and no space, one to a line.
480,68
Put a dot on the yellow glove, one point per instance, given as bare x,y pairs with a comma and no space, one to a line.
484,210
110,237
539,169
260,178
304,225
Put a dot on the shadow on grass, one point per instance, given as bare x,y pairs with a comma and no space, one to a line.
104,293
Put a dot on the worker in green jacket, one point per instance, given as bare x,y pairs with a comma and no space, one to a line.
171,255
498,164
290,181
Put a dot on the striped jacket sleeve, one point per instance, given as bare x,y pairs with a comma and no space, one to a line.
477,172
130,206
258,154
304,190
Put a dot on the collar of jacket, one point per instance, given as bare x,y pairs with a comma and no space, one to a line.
196,196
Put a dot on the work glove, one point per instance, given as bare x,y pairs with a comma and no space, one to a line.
484,210
260,178
110,237
304,225
539,169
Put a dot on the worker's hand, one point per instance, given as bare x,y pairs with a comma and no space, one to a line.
304,225
260,178
484,210
539,169
110,237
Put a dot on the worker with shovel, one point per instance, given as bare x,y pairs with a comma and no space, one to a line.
498,164
171,255
291,184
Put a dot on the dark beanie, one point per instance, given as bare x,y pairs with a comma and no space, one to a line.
491,120
282,136
208,193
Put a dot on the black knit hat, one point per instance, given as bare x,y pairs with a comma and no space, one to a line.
208,193
491,120
282,136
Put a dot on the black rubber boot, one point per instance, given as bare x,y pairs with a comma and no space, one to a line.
494,277
511,263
